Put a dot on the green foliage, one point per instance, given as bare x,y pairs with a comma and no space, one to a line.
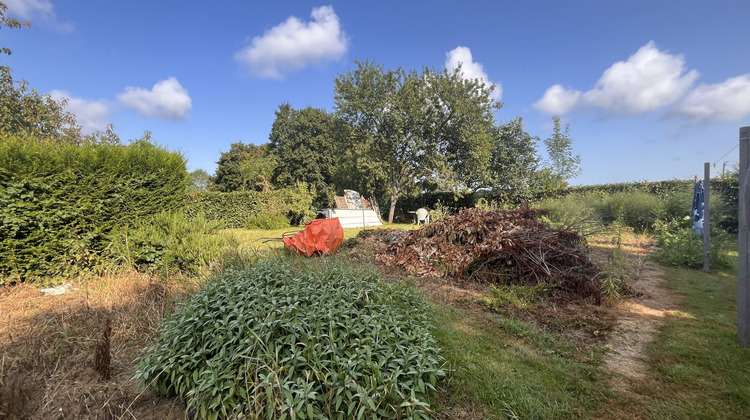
275,341
560,150
680,246
513,164
200,180
267,221
236,209
576,212
60,202
636,209
245,167
414,125
170,243
304,142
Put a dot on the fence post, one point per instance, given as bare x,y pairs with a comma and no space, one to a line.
743,289
707,216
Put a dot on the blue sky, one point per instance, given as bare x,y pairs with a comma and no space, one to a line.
651,89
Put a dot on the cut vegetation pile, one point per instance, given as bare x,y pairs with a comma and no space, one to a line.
501,247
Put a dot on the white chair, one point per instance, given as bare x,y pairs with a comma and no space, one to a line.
423,215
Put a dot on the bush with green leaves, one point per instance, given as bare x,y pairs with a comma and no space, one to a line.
60,202
239,208
267,221
680,246
171,243
576,212
279,341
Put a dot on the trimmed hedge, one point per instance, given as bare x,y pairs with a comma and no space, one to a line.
240,208
59,202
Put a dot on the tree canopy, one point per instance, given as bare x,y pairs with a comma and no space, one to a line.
416,125
562,163
304,142
244,167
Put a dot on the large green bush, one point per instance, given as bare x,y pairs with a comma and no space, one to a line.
59,202
241,208
274,341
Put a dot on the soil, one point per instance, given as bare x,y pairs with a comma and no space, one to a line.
638,320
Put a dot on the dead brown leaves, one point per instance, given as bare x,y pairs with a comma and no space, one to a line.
505,246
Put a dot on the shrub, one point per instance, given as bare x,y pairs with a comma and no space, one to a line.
59,202
680,246
574,212
275,341
170,243
636,209
237,209
267,221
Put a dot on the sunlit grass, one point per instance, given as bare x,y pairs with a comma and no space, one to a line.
254,238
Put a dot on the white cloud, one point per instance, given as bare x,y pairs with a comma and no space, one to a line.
726,101
292,45
167,100
471,69
558,100
647,80
90,115
38,9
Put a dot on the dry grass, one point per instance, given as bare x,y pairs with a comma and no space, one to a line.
57,351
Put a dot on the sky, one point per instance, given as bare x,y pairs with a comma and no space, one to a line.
651,89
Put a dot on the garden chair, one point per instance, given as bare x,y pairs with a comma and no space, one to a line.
423,215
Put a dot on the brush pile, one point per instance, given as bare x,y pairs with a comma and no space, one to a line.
504,247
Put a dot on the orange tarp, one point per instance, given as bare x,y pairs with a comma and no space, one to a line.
320,236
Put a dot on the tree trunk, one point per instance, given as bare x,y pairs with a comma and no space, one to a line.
394,198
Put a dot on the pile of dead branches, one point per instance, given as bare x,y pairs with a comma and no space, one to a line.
507,247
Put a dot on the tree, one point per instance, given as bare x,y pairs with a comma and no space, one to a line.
304,142
244,167
417,125
562,163
24,111
514,162
200,180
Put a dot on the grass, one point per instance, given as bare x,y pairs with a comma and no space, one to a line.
506,368
699,369
254,237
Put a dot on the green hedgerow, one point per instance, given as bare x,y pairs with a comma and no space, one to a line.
274,341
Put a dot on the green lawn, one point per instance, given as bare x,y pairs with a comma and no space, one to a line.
253,237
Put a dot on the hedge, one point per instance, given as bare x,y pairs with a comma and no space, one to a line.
59,202
237,209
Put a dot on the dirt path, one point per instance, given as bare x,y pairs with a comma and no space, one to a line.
639,319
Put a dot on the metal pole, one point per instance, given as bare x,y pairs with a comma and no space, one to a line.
707,216
743,289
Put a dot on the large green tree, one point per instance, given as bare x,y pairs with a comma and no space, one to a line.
562,163
245,167
514,163
304,141
418,125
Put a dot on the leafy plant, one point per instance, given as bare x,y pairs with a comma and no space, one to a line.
680,246
171,242
275,341
267,221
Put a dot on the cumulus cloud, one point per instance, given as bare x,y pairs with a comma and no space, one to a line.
471,69
647,80
38,9
90,115
294,44
726,101
167,100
